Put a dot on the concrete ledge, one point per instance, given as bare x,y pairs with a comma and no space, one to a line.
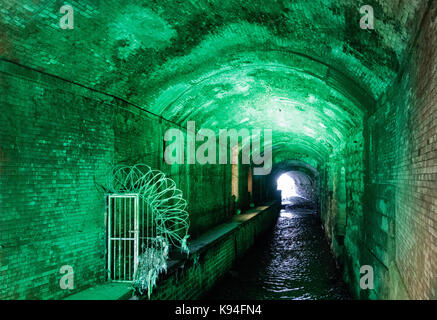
215,235
211,256
105,291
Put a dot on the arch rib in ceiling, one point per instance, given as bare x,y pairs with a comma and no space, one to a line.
333,78
295,165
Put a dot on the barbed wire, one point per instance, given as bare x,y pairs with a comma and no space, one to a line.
164,205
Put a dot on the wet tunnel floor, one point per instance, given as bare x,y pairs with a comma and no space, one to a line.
291,262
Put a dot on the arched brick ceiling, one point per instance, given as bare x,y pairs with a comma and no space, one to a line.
287,166
302,68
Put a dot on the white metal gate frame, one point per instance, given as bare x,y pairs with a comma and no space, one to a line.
135,233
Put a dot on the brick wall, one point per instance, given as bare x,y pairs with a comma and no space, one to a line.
342,186
196,275
56,139
403,175
53,139
391,183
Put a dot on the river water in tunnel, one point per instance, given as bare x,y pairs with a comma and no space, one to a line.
293,261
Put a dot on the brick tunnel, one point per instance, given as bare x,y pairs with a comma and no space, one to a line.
207,103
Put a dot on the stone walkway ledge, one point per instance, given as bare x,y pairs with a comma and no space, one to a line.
123,290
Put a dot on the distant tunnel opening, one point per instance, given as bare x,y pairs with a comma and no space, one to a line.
297,189
295,183
282,265
287,186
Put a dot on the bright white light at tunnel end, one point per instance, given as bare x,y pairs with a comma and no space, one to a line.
287,186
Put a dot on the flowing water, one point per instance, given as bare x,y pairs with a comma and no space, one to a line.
292,262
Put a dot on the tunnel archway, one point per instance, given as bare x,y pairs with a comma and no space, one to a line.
304,176
295,184
349,108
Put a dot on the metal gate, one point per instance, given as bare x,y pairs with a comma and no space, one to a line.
123,237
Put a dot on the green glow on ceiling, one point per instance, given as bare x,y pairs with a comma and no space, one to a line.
227,64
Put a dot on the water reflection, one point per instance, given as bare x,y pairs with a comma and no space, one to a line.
292,262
